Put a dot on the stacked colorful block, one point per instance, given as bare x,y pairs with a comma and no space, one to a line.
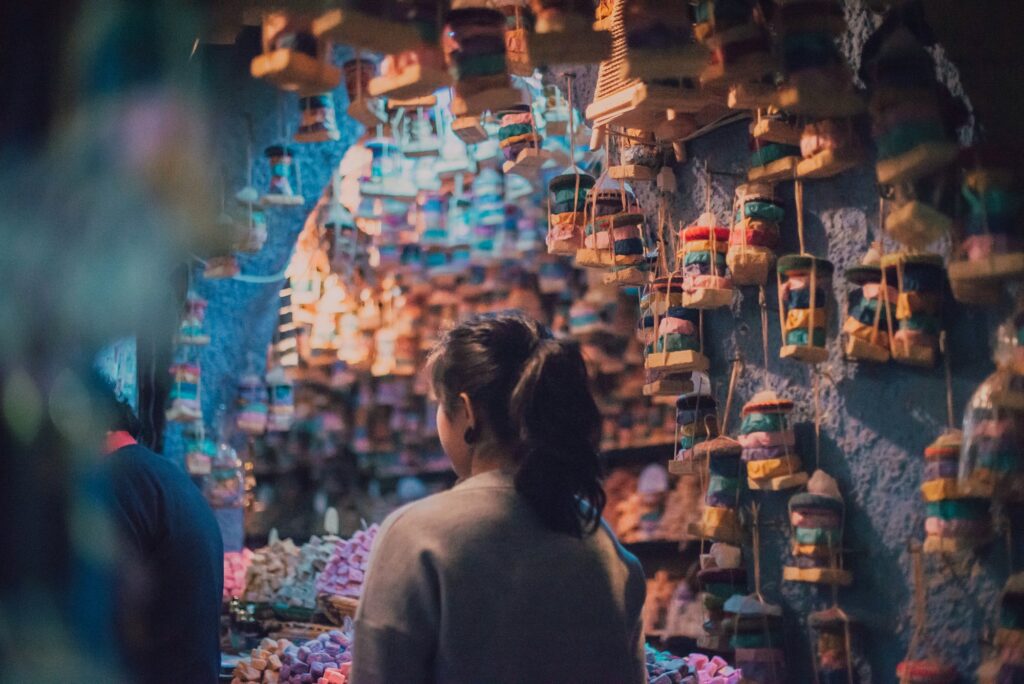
184,393
191,330
697,421
769,445
955,520
817,517
772,161
720,518
317,122
614,226
757,639
866,327
475,45
252,405
282,177
567,210
701,260
920,281
802,306
993,434
199,454
754,234
517,131
832,629
721,576
282,400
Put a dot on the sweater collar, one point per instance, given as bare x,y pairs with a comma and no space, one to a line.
490,479
117,439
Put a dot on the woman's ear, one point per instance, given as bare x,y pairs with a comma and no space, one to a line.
467,406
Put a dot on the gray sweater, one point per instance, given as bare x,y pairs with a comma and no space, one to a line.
469,587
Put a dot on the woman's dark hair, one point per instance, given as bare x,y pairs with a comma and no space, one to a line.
533,397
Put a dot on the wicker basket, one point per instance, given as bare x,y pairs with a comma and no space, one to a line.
337,608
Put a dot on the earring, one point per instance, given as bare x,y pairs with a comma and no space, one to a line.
470,435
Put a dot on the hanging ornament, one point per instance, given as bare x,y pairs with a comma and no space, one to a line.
639,156
829,147
614,232
707,283
817,517
833,645
417,68
392,27
282,400
283,175
293,58
673,342
184,394
990,463
252,405
920,282
555,111
564,32
520,142
285,344
660,39
769,444
417,131
754,235
756,638
741,52
1006,663
516,50
720,517
199,453
252,234
771,160
361,107
802,280
955,521
469,130
817,82
474,45
316,119
868,306
191,330
488,213
721,576
696,422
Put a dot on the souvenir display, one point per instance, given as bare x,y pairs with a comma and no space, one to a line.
660,39
701,259
475,48
564,32
614,233
199,455
294,58
866,328
802,281
920,282
520,142
191,331
817,517
639,156
828,147
754,234
184,394
720,518
358,73
833,632
769,445
721,576
317,121
956,520
928,670
268,570
696,423
299,587
771,162
283,176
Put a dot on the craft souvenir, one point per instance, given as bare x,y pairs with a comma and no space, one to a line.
866,328
802,281
317,121
919,280
555,111
720,518
283,174
756,631
829,147
199,454
252,405
1008,391
224,487
293,57
639,156
469,130
564,33
1006,663
772,161
659,35
816,81
754,234
184,394
701,261
520,142
340,237
384,29
769,445
992,249
741,51
417,129
922,210
817,518
675,345
252,233
834,634
417,68
614,227
358,73
191,330
772,126
955,520
285,344
993,441
721,576
474,44
282,400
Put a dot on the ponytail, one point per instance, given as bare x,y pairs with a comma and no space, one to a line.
533,397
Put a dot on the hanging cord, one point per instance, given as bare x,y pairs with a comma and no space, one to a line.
814,308
737,367
947,368
798,197
919,614
816,380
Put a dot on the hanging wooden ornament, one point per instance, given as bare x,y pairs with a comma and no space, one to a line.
696,422
469,130
835,635
316,119
283,176
293,58
361,107
1006,663
701,262
771,162
922,210
387,180
416,126
919,280
772,126
752,95
817,517
564,33
829,147
474,45
802,281
520,141
912,136
817,82
614,232
385,28
720,518
199,453
769,444
639,156
282,400
659,34
990,464
567,202
955,521
754,234
516,49
721,576
416,69
992,249
741,49
184,393
555,111
866,329
756,631
252,233
676,345
928,670
191,330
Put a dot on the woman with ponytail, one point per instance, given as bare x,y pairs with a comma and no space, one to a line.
510,577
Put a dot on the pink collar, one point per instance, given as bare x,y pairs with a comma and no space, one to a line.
118,439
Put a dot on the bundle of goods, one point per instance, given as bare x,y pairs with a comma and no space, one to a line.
283,177
754,234
866,327
696,668
697,421
191,330
520,141
802,306
829,147
282,400
184,393
769,444
817,517
567,211
299,588
252,405
707,283
639,156
757,638
236,566
263,664
324,659
269,568
721,576
993,434
720,517
614,227
317,122
199,454
1007,662
956,520
344,573
817,82
675,345
920,282
834,639
475,45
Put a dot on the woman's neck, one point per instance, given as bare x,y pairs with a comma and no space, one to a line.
491,457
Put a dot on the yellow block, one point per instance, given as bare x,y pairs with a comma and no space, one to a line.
797,318
941,489
773,467
704,246
909,303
